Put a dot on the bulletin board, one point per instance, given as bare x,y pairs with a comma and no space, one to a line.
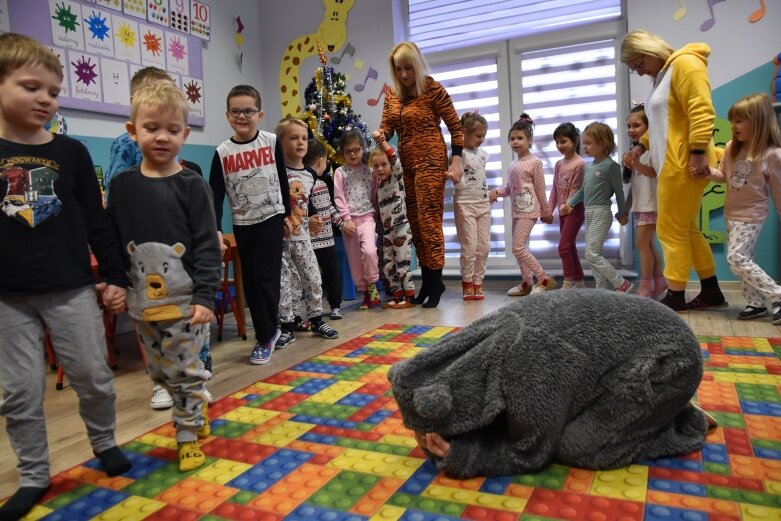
102,43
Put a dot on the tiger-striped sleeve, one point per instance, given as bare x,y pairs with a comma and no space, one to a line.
387,114
444,108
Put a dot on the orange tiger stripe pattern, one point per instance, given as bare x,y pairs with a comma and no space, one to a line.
424,159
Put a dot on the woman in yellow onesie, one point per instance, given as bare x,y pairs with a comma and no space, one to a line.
680,138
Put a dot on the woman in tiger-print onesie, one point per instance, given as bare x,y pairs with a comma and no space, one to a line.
414,109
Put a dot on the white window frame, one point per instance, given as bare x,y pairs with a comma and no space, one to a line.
508,75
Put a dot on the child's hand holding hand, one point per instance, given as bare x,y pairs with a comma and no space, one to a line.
565,209
622,220
492,196
113,297
200,314
315,225
548,219
378,136
349,228
456,170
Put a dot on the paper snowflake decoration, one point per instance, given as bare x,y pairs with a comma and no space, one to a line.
65,17
126,35
97,26
193,91
152,43
85,70
176,48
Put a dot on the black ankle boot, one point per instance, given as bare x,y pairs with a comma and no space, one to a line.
435,288
423,293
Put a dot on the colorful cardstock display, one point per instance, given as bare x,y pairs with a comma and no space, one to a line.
200,20
180,15
136,8
65,18
116,81
101,30
193,89
324,441
157,12
85,75
98,37
152,45
177,53
126,39
111,4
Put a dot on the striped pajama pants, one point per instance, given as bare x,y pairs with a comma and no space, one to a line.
599,219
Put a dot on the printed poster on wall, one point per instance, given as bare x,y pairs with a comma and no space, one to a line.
152,45
136,8
193,89
97,31
116,81
180,15
200,20
60,54
100,48
177,53
65,18
126,42
157,12
84,73
111,4
5,21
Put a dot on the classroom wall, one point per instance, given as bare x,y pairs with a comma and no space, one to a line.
739,64
369,32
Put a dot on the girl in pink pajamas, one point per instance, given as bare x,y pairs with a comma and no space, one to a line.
526,188
352,195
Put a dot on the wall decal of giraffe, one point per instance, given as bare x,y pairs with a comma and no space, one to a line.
330,35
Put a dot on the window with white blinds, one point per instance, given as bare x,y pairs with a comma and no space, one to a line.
437,25
473,85
575,83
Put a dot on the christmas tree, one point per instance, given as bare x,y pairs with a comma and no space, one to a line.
330,112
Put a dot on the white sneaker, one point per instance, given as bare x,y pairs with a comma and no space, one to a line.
161,399
209,395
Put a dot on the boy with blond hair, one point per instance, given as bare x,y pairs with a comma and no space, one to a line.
51,213
125,153
298,256
173,256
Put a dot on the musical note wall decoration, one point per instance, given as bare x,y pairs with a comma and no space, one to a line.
372,102
371,74
707,24
348,49
759,13
680,13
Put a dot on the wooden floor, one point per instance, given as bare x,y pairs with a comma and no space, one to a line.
67,439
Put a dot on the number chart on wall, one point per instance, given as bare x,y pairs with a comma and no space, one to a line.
102,43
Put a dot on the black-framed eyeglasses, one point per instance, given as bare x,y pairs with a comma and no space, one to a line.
351,151
248,113
638,67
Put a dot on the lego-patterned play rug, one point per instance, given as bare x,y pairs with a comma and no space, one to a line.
323,441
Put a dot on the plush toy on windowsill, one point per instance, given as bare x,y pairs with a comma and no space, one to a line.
586,378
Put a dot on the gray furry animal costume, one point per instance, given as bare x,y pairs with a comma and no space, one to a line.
586,378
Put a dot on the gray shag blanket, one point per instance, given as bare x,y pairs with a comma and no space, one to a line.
587,378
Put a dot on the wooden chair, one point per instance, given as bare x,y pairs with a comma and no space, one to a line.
226,295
